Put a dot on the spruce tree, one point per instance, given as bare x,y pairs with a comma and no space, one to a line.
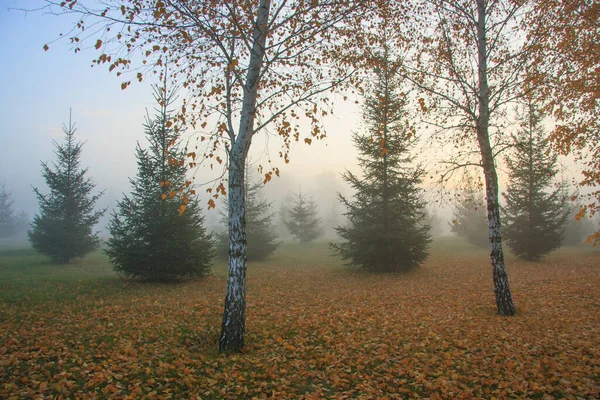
469,219
158,231
8,220
385,230
302,220
535,216
63,228
260,232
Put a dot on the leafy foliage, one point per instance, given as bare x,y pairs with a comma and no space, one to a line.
564,71
8,219
469,217
256,65
385,231
260,232
302,220
578,229
535,219
432,333
63,228
156,234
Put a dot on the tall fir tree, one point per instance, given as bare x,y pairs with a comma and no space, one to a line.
260,233
8,220
303,220
158,232
469,219
535,216
63,228
385,230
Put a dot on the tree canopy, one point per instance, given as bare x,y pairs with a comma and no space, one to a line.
565,70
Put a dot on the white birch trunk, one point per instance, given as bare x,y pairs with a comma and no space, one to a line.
504,300
234,318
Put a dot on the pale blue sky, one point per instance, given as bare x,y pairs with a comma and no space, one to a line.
40,86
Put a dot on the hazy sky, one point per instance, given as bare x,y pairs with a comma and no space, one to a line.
40,86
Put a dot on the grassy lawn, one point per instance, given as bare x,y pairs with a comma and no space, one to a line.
315,329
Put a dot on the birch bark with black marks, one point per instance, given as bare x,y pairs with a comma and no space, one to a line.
504,300
233,326
470,82
220,53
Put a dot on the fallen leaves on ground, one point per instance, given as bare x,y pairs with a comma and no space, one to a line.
316,333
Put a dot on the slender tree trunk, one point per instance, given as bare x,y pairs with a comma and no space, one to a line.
386,216
234,318
504,300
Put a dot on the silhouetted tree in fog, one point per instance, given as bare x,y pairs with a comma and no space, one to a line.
260,232
385,230
469,219
8,220
302,219
158,233
434,221
535,216
63,228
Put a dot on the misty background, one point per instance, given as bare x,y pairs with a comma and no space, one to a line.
40,87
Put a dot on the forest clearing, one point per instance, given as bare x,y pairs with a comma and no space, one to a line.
314,329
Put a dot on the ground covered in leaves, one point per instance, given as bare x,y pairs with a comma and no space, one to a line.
315,330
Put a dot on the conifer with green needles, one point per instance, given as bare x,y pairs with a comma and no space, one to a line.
303,220
63,229
535,215
158,231
386,231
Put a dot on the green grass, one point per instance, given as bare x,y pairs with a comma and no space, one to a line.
314,328
26,276
25,273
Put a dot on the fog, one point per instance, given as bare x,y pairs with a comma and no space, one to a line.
39,89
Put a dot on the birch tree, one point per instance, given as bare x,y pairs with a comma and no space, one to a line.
250,67
467,68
